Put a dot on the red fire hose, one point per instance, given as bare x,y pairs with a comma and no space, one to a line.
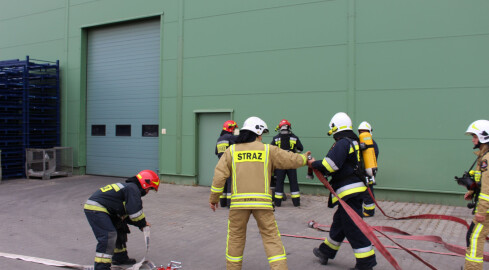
458,250
367,230
424,216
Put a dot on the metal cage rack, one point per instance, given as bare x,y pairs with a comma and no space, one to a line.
49,162
29,111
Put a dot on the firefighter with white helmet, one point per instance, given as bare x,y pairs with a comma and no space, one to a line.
365,126
340,122
479,228
368,202
288,141
110,209
342,163
250,163
226,139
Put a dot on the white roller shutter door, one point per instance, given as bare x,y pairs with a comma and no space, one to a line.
122,96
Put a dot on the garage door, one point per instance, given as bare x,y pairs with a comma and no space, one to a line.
122,98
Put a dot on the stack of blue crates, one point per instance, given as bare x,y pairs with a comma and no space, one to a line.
29,111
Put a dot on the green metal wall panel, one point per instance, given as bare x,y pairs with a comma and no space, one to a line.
427,63
36,33
197,9
417,70
266,29
274,72
422,113
168,162
12,9
386,20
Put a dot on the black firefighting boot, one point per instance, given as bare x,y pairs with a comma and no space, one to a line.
120,258
357,267
278,202
129,261
102,266
323,259
296,202
368,213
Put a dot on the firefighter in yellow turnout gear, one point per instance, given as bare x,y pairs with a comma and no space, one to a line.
479,228
250,163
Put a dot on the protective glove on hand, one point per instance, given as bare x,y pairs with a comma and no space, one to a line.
310,160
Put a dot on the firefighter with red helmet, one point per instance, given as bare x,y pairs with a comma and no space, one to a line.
226,139
108,212
288,141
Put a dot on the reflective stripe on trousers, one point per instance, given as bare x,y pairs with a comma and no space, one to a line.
343,227
475,250
236,238
106,236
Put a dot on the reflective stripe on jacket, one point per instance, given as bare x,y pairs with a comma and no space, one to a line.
223,142
119,199
288,142
482,166
250,165
341,162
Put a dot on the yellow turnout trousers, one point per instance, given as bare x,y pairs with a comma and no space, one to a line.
236,239
475,250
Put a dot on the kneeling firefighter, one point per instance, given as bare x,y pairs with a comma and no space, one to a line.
370,153
250,163
479,188
287,141
108,212
342,163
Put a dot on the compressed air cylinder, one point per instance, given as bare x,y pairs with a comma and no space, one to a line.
368,154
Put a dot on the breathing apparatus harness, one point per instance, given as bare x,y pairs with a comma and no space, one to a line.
359,167
467,180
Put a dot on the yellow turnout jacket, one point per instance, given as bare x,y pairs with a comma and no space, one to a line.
251,166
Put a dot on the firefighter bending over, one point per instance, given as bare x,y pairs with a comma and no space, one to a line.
108,212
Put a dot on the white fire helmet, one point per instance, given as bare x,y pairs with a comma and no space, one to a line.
340,122
479,128
255,125
365,126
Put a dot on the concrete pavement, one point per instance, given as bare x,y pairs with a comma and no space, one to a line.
44,218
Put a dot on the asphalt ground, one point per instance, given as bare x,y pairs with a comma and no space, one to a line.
44,218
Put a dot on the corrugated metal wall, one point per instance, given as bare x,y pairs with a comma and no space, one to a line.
416,70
